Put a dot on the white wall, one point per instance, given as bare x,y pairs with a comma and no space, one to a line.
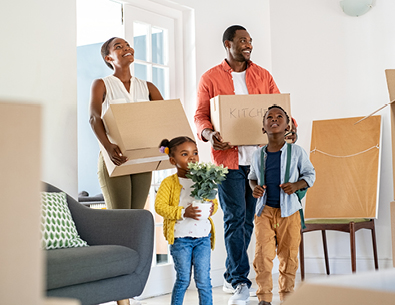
38,64
333,66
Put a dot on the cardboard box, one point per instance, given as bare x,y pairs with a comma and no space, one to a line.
22,260
138,128
367,288
238,118
390,74
393,231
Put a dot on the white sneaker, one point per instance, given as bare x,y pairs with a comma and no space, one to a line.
241,295
227,287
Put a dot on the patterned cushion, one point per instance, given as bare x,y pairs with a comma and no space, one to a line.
57,226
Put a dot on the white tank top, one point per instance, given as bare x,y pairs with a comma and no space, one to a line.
116,92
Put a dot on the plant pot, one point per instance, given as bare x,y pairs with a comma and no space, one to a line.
204,206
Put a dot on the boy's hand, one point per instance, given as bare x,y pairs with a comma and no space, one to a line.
192,212
289,188
258,191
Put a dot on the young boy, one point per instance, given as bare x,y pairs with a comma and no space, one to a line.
277,218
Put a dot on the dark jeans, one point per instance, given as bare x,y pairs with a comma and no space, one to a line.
238,205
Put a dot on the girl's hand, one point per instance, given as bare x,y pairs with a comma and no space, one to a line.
115,154
211,208
192,212
289,188
258,191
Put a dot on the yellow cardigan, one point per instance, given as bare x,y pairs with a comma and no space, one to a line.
166,205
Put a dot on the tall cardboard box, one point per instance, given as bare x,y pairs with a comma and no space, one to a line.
393,231
238,118
390,74
138,128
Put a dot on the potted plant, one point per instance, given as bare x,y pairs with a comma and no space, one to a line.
206,177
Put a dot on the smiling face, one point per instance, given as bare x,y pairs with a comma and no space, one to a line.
119,52
182,155
240,47
275,121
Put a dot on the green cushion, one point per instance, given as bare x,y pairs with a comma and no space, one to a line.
57,226
335,221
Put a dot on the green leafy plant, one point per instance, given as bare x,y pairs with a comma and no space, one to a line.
206,176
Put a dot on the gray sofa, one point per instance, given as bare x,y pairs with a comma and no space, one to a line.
117,262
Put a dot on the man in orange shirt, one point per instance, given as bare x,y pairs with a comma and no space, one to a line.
237,74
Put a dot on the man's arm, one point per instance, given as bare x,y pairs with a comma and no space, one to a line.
202,118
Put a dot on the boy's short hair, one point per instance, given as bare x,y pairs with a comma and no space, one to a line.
278,107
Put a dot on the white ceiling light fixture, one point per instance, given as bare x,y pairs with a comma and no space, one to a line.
356,7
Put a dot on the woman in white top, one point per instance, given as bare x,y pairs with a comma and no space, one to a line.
130,191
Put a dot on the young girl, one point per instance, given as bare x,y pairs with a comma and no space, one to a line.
277,218
191,238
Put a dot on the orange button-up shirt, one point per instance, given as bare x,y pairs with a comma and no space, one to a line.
219,81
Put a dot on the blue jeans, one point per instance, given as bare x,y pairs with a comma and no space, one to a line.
238,205
188,252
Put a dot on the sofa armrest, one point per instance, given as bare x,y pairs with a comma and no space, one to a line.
130,228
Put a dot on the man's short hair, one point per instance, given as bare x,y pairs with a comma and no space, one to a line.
230,32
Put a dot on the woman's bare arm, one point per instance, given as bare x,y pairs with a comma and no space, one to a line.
98,92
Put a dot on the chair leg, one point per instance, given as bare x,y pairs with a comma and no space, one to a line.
352,246
325,252
301,255
376,262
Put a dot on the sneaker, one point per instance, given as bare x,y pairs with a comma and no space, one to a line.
227,287
241,295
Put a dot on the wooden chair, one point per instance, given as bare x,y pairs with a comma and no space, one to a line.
343,225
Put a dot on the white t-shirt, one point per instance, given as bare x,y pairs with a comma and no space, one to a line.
188,227
240,85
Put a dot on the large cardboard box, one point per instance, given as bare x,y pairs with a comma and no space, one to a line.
138,128
367,288
238,118
390,74
393,231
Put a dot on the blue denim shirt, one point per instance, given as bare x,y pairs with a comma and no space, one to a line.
300,168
